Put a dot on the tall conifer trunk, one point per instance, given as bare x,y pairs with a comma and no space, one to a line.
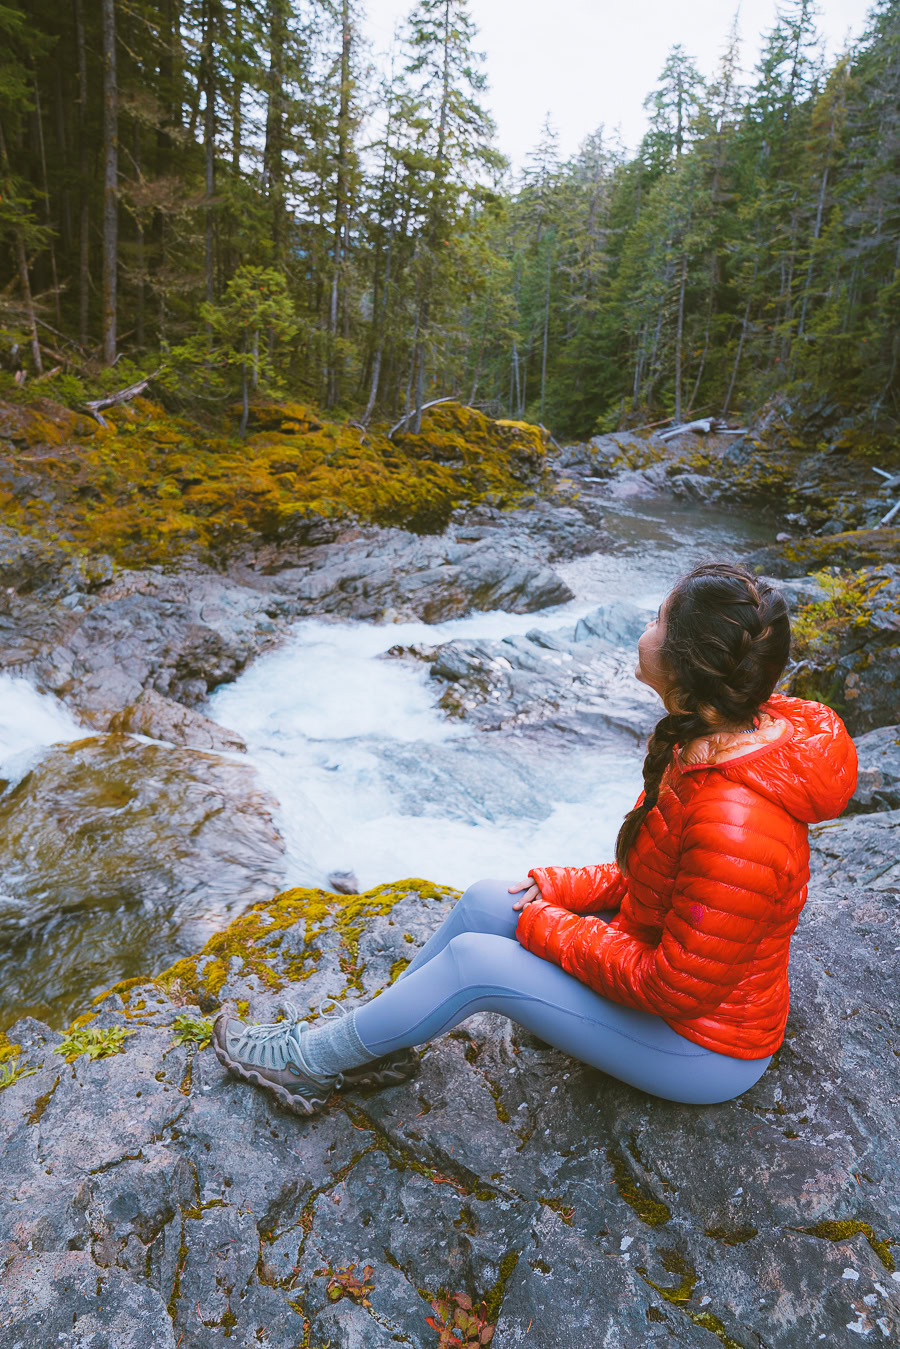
341,206
679,333
209,144
22,267
84,214
110,181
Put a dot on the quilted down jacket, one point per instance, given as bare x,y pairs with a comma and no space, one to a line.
717,877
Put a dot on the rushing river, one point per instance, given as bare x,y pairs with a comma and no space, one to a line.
374,779
370,775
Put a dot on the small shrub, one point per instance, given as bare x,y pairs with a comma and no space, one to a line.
97,1043
820,627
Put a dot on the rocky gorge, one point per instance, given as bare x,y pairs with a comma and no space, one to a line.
567,1208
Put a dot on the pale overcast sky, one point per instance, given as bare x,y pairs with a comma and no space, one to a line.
592,61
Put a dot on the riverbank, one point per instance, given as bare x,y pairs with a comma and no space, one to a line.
160,1202
506,1172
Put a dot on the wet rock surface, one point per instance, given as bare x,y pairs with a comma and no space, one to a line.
879,770
108,641
115,851
574,679
582,1211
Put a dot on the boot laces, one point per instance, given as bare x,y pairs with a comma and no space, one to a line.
271,1030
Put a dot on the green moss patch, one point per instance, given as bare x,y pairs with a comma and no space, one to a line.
254,939
150,486
843,1230
650,1210
854,548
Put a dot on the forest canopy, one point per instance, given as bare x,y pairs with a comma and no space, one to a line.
231,192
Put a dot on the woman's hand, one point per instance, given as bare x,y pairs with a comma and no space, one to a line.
532,892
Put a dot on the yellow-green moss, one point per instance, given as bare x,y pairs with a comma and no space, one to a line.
710,1322
499,1107
8,1048
40,1105
729,1236
565,1211
493,1298
842,1230
123,988
673,1263
150,486
252,937
855,548
651,1211
637,455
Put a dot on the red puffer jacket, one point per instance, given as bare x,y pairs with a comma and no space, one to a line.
716,881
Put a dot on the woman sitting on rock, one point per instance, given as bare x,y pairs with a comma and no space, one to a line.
667,968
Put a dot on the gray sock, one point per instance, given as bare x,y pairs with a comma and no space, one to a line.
332,1047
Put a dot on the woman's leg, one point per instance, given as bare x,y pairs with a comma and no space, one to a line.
487,906
485,972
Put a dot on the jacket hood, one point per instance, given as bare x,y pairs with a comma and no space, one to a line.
810,772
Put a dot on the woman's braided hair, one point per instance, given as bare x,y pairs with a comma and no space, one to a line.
727,640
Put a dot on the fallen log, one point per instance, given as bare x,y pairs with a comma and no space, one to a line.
412,413
703,426
121,396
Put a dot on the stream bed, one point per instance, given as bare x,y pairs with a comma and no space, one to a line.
376,781
352,767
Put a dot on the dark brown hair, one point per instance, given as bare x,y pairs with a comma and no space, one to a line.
727,640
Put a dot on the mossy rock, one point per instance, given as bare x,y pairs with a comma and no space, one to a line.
257,939
150,487
854,548
291,418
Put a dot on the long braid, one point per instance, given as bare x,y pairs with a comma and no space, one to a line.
727,641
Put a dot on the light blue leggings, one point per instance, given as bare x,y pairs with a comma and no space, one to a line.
473,963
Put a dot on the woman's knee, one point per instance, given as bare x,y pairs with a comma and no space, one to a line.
488,894
480,957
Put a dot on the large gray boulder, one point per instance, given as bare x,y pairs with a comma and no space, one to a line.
859,849
114,850
577,678
579,1211
878,787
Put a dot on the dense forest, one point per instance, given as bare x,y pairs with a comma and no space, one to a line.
231,193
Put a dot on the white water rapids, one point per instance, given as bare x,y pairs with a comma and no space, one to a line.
372,777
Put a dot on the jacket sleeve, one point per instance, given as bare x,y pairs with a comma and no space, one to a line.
581,889
722,904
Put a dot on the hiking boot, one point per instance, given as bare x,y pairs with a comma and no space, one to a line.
270,1056
387,1071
